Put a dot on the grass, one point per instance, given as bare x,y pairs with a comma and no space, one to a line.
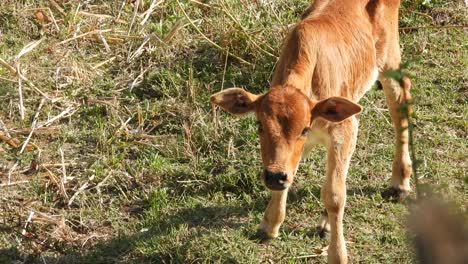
150,174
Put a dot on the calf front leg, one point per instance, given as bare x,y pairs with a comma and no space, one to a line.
274,214
339,151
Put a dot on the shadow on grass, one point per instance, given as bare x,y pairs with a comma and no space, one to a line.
124,248
185,224
364,191
196,220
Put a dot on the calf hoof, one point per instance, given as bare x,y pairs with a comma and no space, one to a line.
261,237
395,194
322,232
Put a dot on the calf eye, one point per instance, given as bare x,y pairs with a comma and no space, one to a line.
260,127
305,131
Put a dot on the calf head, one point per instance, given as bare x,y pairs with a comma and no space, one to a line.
284,117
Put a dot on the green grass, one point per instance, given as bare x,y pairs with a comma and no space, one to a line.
157,177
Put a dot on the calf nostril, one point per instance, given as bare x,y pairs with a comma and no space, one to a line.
275,176
282,176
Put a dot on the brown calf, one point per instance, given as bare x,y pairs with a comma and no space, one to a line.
329,61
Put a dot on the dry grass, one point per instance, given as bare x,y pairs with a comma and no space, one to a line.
109,151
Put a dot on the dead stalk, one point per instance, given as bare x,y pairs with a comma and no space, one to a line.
150,10
31,214
8,66
135,12
81,189
64,169
68,111
20,93
60,9
12,183
100,31
208,39
60,185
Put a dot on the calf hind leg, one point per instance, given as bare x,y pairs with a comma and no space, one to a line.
396,95
323,228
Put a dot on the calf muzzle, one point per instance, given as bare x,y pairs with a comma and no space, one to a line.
276,181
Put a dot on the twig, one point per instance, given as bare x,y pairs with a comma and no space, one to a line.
7,80
424,15
102,63
209,40
12,183
84,13
433,27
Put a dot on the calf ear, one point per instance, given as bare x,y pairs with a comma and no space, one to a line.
335,109
235,100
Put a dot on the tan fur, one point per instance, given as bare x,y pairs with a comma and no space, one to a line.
328,62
